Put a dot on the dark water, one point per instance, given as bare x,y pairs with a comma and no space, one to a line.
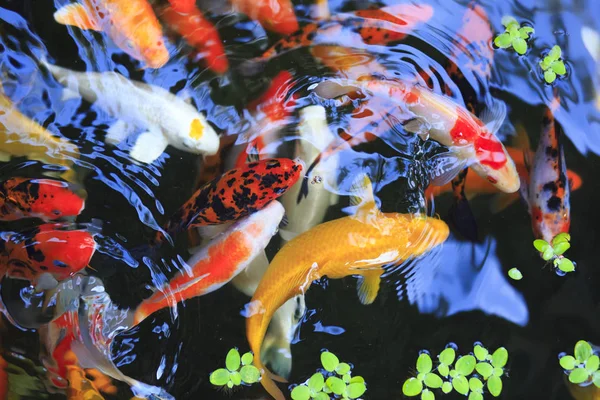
459,294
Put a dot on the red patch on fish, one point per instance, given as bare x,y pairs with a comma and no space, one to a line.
490,151
274,102
463,132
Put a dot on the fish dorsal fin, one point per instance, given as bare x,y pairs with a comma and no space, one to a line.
78,15
494,115
362,197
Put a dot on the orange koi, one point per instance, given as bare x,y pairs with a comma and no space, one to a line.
37,198
215,265
198,32
131,24
183,6
355,245
275,15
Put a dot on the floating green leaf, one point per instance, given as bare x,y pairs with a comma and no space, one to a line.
565,265
236,378
447,387
561,247
465,365
232,362
250,374
316,382
555,53
500,357
301,392
427,395
548,254
515,274
560,238
508,20
583,351
540,245
412,387
342,368
475,396
592,364
498,372
336,385
567,362
321,396
503,40
494,385
447,356
433,381
355,390
219,377
475,385
484,369
443,369
424,363
520,45
480,352
357,379
578,375
329,361
460,384
247,358
346,378
596,379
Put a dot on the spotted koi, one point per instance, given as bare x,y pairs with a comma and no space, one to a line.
237,193
38,198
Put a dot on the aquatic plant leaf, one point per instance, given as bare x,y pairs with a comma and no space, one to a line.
346,378
498,372
503,41
250,374
326,389
443,370
232,362
548,254
592,364
355,390
526,30
578,375
336,385
520,45
424,363
357,379
480,352
515,274
342,368
412,387
567,362
494,385
555,53
321,396
316,382
461,385
566,265
301,392
453,373
219,377
540,245
329,361
545,64
476,385
236,378
560,238
508,20
475,396
247,358
427,395
447,387
229,384
596,379
560,248
500,357
484,369
465,365
433,381
447,356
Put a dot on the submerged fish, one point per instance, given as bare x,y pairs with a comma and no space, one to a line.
37,198
547,190
438,117
131,24
23,137
274,15
46,249
235,194
168,120
355,245
217,263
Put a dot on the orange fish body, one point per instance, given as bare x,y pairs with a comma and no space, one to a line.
46,249
275,15
131,24
37,198
219,262
355,245
198,32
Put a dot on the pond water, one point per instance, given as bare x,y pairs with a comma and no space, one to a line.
268,92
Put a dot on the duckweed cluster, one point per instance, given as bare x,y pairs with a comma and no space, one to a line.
553,64
554,251
232,375
582,367
468,376
514,35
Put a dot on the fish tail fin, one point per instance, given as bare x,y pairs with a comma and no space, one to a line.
368,286
76,14
277,354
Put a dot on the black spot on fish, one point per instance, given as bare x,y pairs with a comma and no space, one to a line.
552,151
230,182
273,164
550,186
554,203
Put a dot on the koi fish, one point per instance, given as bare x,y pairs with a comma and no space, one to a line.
168,119
217,263
37,198
440,119
547,190
189,22
237,193
131,24
274,15
46,249
23,137
355,245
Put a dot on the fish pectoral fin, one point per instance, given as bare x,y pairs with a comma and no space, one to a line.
494,115
418,126
118,132
78,15
149,146
501,201
443,167
368,286
362,196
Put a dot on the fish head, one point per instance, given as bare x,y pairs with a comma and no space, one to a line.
155,55
139,34
494,163
275,175
197,135
55,200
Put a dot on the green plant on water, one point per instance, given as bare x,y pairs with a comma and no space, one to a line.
515,273
583,366
554,251
335,380
469,375
553,65
232,375
514,35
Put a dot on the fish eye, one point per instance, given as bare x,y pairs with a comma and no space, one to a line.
129,44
